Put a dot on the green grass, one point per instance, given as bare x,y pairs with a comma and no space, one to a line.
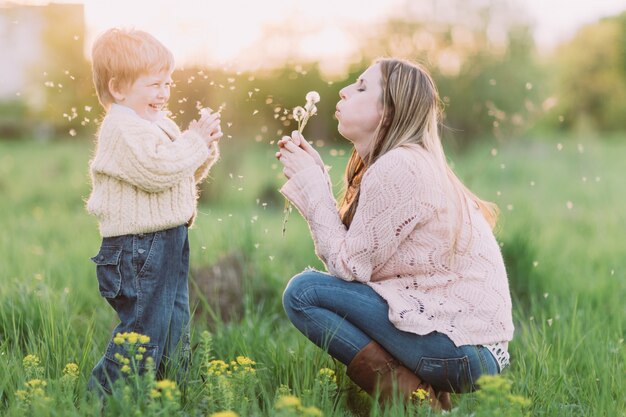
561,233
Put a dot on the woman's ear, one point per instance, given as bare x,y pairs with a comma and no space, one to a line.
115,90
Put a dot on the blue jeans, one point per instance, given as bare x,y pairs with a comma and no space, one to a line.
343,317
144,278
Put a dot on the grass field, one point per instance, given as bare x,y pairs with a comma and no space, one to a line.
562,234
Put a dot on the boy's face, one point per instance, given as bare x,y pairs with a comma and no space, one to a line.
148,95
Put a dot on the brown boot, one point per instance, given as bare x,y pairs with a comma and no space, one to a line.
375,370
444,399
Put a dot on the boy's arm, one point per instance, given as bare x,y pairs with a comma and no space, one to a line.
203,171
139,156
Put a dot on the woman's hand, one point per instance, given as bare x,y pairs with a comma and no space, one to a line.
297,141
293,157
208,126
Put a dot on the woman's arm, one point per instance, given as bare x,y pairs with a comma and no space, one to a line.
397,194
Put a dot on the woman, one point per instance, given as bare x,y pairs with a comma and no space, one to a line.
416,294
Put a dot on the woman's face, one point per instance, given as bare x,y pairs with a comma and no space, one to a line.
360,109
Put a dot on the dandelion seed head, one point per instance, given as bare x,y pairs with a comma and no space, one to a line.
312,97
298,113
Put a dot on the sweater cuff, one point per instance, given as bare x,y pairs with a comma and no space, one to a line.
305,187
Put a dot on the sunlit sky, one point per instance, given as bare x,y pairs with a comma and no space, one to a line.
222,32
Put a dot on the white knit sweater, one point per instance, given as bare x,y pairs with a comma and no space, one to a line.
398,243
144,175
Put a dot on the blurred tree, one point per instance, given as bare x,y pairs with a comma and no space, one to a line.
65,103
591,77
483,61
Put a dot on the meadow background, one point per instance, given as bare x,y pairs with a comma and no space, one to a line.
541,134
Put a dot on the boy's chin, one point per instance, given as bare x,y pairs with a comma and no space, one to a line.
153,115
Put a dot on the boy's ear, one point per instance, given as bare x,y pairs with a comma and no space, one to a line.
115,90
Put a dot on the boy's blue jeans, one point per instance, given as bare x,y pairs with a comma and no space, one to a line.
343,317
144,278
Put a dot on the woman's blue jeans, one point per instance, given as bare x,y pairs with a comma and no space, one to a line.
343,317
144,278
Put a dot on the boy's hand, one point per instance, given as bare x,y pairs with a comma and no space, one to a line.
208,126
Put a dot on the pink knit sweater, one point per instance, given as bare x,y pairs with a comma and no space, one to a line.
398,244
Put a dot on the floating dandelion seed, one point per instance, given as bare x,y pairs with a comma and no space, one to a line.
72,132
559,146
569,205
301,115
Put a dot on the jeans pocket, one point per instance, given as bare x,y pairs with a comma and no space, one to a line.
108,270
144,251
452,374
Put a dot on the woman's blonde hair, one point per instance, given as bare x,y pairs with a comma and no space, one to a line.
123,55
410,115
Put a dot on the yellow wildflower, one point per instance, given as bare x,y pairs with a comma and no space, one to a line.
118,339
30,361
327,374
165,384
245,361
312,412
217,367
420,394
71,369
132,338
36,383
288,401
21,395
227,413
125,369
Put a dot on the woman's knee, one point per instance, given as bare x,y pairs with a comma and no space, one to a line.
298,286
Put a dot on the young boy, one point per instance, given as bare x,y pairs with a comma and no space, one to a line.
144,193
